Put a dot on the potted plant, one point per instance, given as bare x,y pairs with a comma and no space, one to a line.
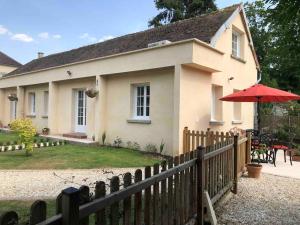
254,169
45,131
92,93
13,97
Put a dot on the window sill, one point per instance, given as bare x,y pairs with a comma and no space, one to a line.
139,121
238,59
45,117
31,116
216,123
237,121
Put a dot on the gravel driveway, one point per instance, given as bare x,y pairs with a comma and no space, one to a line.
269,200
46,184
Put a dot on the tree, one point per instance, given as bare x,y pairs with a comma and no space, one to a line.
275,28
284,17
175,10
262,35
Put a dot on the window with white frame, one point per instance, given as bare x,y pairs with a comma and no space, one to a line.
236,44
46,102
237,110
32,103
142,101
216,104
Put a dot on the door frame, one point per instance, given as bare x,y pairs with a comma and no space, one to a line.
80,128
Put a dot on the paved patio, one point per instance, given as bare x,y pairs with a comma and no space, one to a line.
283,169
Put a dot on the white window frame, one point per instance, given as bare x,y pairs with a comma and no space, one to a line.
236,45
46,103
144,106
213,103
32,103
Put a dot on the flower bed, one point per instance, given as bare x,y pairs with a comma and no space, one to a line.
13,146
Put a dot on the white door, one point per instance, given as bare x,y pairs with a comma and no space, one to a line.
13,110
80,112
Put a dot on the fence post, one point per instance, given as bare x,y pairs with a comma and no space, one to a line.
185,131
248,148
235,163
70,206
200,184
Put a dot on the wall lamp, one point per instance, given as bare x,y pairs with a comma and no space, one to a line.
69,73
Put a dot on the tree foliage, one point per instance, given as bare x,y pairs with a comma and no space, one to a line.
26,132
175,10
275,27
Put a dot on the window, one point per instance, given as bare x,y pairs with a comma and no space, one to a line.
13,110
237,110
32,103
46,102
142,102
216,104
236,44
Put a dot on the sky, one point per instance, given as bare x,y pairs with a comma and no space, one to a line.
50,26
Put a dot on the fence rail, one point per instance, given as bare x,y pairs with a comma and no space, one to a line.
168,193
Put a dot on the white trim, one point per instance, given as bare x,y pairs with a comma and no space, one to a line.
81,128
224,27
32,103
135,112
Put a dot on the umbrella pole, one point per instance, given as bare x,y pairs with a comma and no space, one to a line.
258,117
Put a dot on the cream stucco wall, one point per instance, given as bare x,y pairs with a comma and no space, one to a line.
5,109
6,69
119,107
40,119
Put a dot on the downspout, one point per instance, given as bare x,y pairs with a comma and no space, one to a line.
259,77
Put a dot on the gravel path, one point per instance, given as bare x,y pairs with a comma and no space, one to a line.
269,200
46,184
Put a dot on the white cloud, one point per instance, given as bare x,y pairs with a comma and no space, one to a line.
44,35
3,30
56,36
88,37
22,37
106,37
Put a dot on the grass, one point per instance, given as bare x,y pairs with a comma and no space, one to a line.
22,208
75,157
8,137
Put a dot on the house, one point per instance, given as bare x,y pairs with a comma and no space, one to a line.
7,64
145,87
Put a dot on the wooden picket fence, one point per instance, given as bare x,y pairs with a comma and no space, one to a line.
192,139
168,193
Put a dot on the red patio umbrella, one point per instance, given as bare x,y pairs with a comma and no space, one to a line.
260,93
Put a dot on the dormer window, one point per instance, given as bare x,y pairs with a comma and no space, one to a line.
236,44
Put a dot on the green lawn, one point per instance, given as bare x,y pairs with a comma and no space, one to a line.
75,157
8,137
22,208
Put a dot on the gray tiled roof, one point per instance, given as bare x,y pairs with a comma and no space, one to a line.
201,27
5,60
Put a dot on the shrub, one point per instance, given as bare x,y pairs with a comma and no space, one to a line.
161,146
136,146
103,138
151,148
118,142
26,132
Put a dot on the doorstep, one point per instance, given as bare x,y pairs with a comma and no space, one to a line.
71,140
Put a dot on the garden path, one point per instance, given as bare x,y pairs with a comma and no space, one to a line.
47,184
